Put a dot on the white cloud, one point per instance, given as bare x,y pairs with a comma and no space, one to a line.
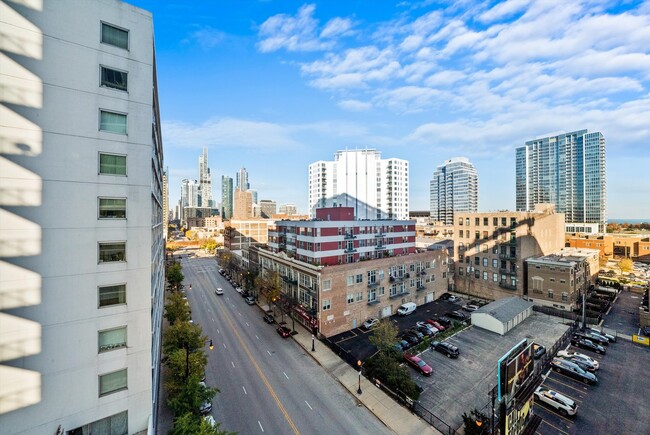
354,105
336,26
206,37
503,10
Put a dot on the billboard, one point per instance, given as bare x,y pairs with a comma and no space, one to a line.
514,369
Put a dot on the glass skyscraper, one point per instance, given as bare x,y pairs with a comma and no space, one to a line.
454,187
567,170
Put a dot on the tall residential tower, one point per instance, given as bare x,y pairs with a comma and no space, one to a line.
81,240
567,170
226,197
205,181
454,188
376,188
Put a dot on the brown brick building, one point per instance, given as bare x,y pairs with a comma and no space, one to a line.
634,246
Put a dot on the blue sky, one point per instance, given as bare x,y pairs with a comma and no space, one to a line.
276,85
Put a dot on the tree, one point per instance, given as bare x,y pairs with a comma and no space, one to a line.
626,265
384,336
181,335
176,309
209,245
189,396
181,362
269,286
476,423
174,275
190,424
388,370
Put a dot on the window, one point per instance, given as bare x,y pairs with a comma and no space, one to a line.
495,221
327,284
495,262
350,298
110,252
350,280
359,296
112,208
477,221
550,294
477,274
380,274
495,277
372,295
112,295
112,78
327,304
564,296
477,261
115,36
112,339
563,281
112,122
359,278
112,382
485,262
393,290
112,164
485,222
460,221
117,424
485,276
381,291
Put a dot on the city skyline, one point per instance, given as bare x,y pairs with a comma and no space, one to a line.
418,81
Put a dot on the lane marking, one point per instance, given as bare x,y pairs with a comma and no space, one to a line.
224,346
258,422
268,353
260,373
218,331
257,337
233,364
309,405
244,388
285,375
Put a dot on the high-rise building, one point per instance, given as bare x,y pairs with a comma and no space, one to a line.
454,187
165,199
82,208
205,181
241,180
567,170
288,209
268,208
226,197
376,188
243,204
189,195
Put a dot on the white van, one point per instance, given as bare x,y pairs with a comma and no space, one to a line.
406,309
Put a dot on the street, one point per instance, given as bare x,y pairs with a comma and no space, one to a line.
267,384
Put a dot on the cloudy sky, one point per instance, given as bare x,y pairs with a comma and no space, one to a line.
276,85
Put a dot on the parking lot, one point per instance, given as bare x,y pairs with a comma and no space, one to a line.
618,404
356,341
623,317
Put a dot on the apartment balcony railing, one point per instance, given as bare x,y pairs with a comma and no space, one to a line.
506,285
373,302
397,295
508,256
421,287
373,284
350,250
508,272
349,236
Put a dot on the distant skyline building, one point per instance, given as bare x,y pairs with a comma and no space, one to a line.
268,208
205,181
288,209
241,180
569,171
243,204
375,188
226,197
454,188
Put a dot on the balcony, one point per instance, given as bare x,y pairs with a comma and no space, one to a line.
508,256
373,302
511,242
379,247
349,236
508,272
350,250
373,284
398,295
421,287
507,285
379,234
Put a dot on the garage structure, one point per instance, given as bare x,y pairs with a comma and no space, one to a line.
502,315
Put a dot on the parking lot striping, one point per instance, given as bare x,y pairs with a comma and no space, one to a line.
244,388
554,412
224,346
233,364
268,352
567,385
257,337
258,422
247,324
218,331
285,375
555,427
309,405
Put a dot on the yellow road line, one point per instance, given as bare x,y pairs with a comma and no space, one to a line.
261,375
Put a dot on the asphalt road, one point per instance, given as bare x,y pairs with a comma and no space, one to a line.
267,384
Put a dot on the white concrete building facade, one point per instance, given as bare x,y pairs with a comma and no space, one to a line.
81,234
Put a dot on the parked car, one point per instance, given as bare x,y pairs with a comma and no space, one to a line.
406,309
470,307
445,348
453,298
415,331
206,406
596,338
218,291
444,321
430,327
412,339
436,325
646,331
611,338
573,370
579,356
585,343
456,315
538,350
401,346
370,323
284,331
244,294
239,289
268,318
419,364
561,403
221,271
428,332
250,300
445,296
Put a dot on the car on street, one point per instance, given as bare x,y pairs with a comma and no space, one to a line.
370,323
218,291
210,420
611,338
238,289
579,356
268,318
538,350
250,300
587,344
573,371
418,363
445,348
470,307
561,403
284,331
221,271
456,315
436,325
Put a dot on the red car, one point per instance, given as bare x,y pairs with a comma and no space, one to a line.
419,364
436,325
284,332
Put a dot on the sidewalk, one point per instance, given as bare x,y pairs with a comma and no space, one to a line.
393,415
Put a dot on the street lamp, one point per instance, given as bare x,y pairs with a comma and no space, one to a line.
359,389
313,349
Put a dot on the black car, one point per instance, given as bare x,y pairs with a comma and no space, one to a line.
646,331
596,338
456,315
411,339
445,348
419,334
268,318
426,331
587,344
573,370
538,350
445,296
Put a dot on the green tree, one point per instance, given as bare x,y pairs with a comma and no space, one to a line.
384,336
181,335
181,362
190,424
176,309
189,396
476,423
388,370
174,275
626,265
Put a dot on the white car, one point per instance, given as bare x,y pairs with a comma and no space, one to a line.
580,356
370,323
218,291
239,289
562,404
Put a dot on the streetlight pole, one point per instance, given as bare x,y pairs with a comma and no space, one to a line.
359,389
313,349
